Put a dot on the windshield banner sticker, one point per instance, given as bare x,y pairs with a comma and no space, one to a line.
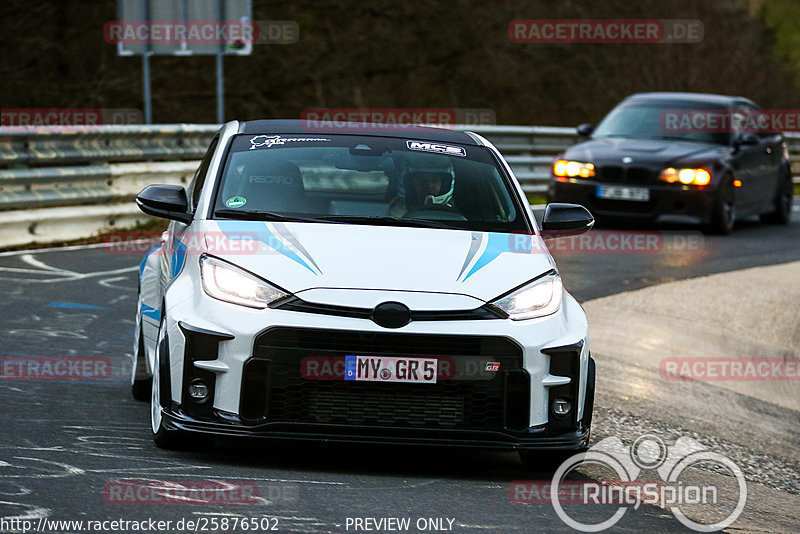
426,146
272,140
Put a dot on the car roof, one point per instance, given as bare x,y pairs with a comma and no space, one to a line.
300,126
706,98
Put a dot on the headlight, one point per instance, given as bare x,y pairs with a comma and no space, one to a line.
537,299
686,176
224,281
565,168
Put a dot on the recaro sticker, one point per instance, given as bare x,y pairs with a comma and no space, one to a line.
273,140
439,148
235,202
264,179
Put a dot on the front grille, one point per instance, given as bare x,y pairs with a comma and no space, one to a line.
374,405
616,173
478,401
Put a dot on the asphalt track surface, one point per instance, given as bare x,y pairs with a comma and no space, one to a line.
65,444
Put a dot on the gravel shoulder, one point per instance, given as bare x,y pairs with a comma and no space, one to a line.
743,316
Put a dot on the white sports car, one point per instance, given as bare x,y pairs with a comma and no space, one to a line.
362,284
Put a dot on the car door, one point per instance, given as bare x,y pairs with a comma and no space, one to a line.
771,145
751,161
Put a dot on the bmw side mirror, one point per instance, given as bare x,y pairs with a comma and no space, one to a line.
563,220
165,201
745,139
585,130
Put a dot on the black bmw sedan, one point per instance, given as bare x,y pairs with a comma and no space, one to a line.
679,157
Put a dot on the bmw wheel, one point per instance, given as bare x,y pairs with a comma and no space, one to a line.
783,203
724,216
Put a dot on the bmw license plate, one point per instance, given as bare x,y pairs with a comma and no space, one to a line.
636,194
390,369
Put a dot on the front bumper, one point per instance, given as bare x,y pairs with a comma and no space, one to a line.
252,361
229,425
668,203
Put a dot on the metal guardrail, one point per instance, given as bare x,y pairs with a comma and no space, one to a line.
58,184
55,147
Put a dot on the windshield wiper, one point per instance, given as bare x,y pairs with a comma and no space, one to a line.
387,221
255,215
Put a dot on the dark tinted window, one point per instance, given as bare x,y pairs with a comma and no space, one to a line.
369,178
200,175
681,120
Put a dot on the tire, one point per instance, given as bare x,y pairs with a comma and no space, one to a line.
141,382
164,438
723,217
782,213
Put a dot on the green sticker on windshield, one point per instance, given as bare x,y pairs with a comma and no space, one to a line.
236,202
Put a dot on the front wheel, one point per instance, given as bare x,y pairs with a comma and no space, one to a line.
783,203
163,437
724,215
141,381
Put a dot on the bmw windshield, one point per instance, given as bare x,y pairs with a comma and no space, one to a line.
646,120
367,180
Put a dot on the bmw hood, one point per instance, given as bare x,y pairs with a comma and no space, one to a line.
642,151
311,257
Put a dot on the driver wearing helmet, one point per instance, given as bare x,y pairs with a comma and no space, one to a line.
423,188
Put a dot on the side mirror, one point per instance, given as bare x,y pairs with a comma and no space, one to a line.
165,201
563,220
746,139
585,130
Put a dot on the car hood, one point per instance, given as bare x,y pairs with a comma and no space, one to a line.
315,256
641,151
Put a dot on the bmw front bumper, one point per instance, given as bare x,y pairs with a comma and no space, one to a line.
667,203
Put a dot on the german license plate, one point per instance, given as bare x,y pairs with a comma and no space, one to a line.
390,369
636,194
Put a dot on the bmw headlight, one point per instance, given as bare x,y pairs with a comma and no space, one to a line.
536,299
225,281
564,168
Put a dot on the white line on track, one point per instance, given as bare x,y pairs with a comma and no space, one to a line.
54,249
66,276
33,262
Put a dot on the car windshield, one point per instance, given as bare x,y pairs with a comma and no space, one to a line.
367,180
651,120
